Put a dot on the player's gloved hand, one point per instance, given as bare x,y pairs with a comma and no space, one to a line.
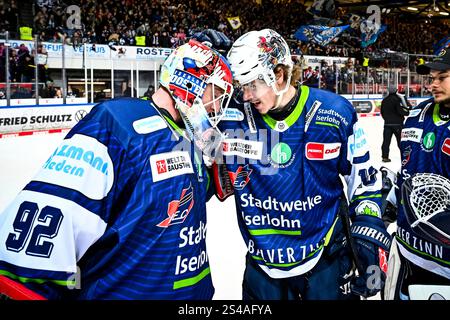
373,261
390,213
388,195
372,242
214,39
389,179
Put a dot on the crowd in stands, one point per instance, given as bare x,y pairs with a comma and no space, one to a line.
413,37
9,15
169,23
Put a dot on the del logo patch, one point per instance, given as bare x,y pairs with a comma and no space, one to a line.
170,164
148,125
322,151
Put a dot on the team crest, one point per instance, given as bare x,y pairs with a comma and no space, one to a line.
178,210
406,155
241,177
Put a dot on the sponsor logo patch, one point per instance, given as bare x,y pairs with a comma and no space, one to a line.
428,141
446,147
187,82
233,114
369,208
281,153
80,163
357,142
331,116
322,151
243,148
148,125
414,113
413,134
170,164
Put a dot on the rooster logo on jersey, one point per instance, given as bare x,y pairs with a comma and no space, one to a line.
406,155
241,177
178,210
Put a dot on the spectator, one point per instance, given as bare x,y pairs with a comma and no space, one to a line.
49,91
165,40
41,62
150,91
14,69
127,91
393,110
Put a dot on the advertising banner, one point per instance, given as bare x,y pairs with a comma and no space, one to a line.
97,51
29,119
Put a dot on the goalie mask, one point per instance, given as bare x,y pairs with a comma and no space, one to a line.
255,55
426,202
192,74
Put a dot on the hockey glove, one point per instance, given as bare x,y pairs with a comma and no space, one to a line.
214,39
388,192
372,243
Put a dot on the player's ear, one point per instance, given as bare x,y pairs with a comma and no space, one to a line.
280,76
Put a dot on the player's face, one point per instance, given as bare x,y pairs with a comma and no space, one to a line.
260,95
440,86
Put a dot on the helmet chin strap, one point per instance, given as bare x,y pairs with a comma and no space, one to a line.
280,94
278,101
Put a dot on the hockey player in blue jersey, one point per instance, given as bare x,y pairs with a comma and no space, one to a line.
285,150
118,211
420,260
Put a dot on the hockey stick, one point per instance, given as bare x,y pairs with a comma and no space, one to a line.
13,290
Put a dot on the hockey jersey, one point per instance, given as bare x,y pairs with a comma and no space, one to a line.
116,212
286,178
425,145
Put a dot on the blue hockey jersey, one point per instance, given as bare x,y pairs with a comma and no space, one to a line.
287,178
118,211
425,145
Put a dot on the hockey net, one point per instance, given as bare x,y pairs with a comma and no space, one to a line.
430,195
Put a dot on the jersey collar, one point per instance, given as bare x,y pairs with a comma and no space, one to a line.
285,124
436,118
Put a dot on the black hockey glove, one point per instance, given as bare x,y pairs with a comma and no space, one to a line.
372,243
390,213
388,195
214,39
